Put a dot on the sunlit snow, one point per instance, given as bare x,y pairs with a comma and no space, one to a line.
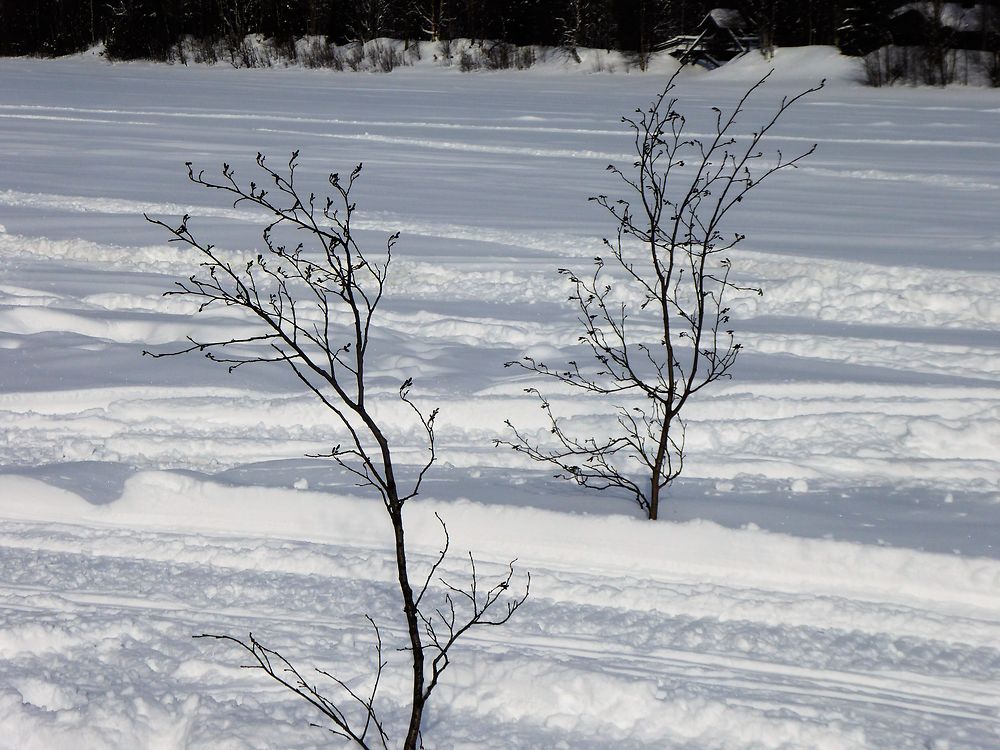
828,571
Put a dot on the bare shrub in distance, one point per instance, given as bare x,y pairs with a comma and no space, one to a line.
382,58
313,305
656,328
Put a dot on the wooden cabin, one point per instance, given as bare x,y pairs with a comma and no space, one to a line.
723,34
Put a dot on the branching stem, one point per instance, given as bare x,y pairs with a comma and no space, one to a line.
670,244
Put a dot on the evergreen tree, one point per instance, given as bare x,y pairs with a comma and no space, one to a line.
864,26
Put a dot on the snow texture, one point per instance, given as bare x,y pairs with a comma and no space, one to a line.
827,575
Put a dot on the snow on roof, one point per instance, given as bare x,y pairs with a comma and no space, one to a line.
953,15
726,18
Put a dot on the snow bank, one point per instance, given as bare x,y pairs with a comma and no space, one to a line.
385,55
596,545
810,64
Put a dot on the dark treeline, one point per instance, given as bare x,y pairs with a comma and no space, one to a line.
151,28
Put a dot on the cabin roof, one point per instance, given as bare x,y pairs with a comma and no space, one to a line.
725,18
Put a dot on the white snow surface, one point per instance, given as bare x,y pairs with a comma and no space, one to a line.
827,574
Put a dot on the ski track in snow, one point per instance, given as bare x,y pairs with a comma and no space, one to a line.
404,124
698,668
866,408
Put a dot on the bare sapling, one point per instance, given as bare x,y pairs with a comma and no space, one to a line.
654,311
313,308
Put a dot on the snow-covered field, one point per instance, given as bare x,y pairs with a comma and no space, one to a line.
828,573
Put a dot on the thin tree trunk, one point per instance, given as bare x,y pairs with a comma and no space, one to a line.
412,741
656,478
